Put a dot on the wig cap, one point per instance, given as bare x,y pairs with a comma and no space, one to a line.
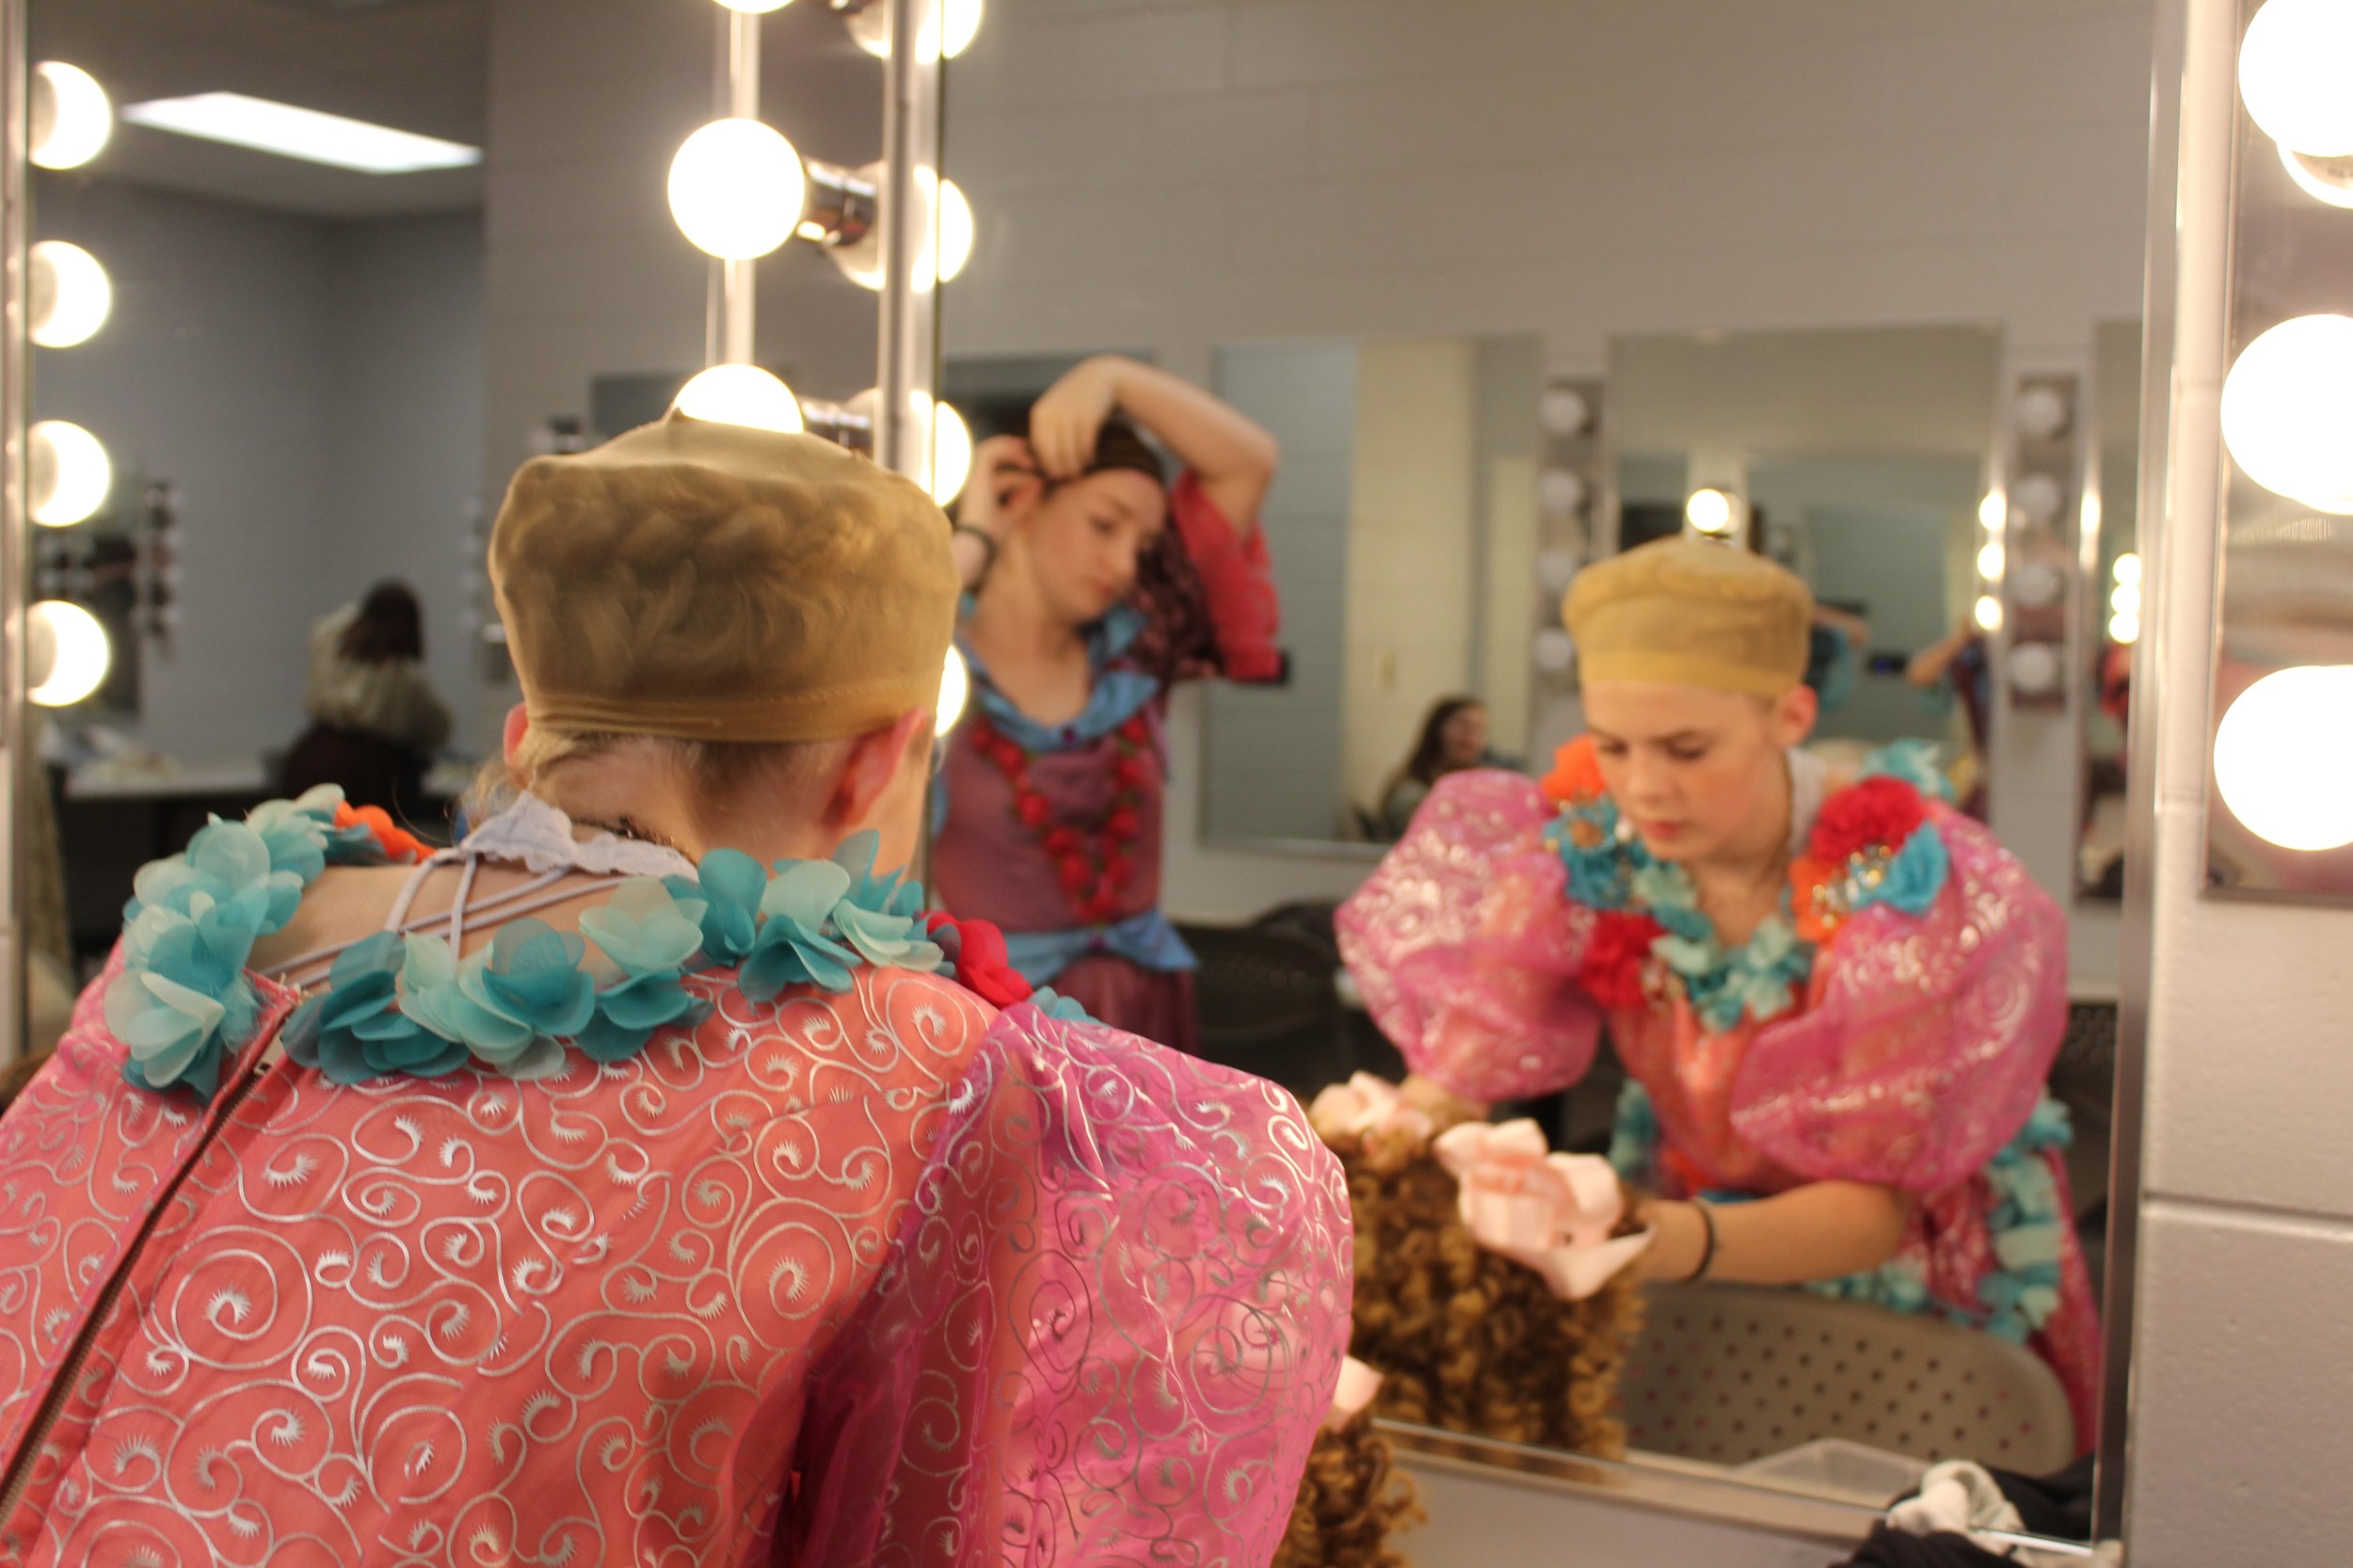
1687,612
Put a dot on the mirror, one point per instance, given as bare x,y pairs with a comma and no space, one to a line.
2114,616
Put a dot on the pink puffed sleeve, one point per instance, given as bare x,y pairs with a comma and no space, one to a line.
1928,1038
1106,1333
1466,946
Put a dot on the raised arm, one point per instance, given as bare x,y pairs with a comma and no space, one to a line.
1231,455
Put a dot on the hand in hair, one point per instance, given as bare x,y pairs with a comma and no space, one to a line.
1232,456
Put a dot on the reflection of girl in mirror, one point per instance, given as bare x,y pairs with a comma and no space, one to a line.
1094,586
1835,999
375,718
1453,737
1958,664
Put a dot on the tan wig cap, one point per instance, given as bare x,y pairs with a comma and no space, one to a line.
1685,612
713,583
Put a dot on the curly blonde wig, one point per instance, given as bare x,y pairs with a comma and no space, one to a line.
1351,1499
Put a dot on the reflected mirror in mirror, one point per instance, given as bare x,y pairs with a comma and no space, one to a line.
2113,609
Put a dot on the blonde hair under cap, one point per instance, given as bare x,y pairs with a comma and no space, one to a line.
712,582
1684,612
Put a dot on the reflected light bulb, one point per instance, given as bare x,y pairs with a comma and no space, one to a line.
2282,756
1709,512
2295,70
2128,569
73,117
755,7
1990,560
955,689
1989,613
952,453
953,225
1994,512
2286,407
870,28
70,296
2333,183
740,394
2039,496
70,474
2125,600
737,188
2124,630
77,653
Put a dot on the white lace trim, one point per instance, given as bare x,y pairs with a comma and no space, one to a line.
540,837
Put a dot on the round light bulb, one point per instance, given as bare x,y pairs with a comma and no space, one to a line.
942,249
2124,598
2039,496
73,117
737,188
1988,613
1561,492
1709,512
1563,411
2282,756
2037,583
1555,652
2041,413
2124,630
740,394
69,294
1994,512
2328,180
755,7
2287,409
1556,569
69,473
69,653
1990,560
870,28
955,689
952,454
2294,70
954,226
2126,569
2034,669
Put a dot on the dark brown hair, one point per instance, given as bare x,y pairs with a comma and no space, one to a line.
1351,1499
1429,751
390,625
1119,449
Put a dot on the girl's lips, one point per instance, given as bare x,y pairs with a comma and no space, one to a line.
1660,829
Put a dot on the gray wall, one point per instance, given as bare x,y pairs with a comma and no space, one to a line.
313,392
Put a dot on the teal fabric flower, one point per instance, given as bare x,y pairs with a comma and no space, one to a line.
227,863
649,931
628,1014
728,884
1913,877
296,832
885,940
793,948
182,1000
882,895
509,1003
1057,1006
1634,1136
1666,893
1598,870
357,1032
1913,760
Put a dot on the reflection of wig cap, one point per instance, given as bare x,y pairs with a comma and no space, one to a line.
1688,613
713,583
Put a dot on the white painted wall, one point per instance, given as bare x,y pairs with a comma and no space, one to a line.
1185,176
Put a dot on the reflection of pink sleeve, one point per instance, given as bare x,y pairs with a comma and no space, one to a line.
1929,1037
1465,945
1237,580
1107,1328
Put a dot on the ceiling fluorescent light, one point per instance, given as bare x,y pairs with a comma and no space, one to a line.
305,134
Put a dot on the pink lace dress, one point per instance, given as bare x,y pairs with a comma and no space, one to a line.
1908,1048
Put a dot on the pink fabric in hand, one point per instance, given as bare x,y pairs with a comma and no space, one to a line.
1366,1104
1550,1212
1924,1043
1467,948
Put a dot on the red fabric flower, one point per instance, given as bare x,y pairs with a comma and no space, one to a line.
1878,813
1130,771
1612,974
1137,730
982,965
1031,809
1075,874
1063,841
1124,824
400,846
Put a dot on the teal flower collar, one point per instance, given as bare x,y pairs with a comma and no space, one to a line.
406,1004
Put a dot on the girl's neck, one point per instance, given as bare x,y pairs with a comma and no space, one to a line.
1012,620
1758,857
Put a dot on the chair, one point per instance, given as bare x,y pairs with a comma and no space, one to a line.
1731,1374
1269,1004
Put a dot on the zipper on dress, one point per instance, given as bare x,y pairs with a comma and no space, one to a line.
77,1359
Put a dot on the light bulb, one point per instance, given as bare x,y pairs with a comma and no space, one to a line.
1556,569
955,690
2039,496
942,249
73,117
2041,413
956,227
69,655
2293,71
1554,652
1994,512
2331,182
1561,492
69,472
1990,560
2124,598
2282,756
755,7
740,394
2287,406
952,453
1563,411
737,188
2126,569
1709,512
1988,614
872,29
2124,630
69,294
2035,669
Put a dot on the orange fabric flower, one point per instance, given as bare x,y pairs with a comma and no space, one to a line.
399,846
1816,920
1575,774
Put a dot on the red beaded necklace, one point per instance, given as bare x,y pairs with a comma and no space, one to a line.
1094,870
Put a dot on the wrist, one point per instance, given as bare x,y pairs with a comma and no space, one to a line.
1680,1246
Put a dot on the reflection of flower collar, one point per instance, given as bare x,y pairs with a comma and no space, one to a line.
1114,695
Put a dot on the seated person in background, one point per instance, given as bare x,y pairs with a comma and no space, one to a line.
375,719
1835,999
647,1180
1453,737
